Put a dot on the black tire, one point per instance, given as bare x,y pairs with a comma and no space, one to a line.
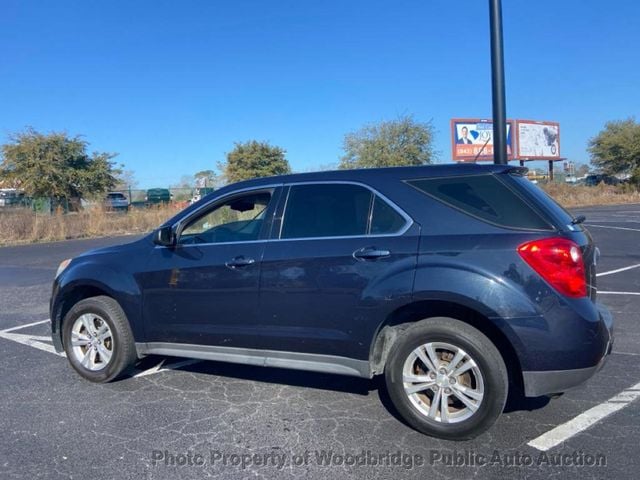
487,359
123,345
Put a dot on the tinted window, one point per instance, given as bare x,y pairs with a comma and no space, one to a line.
385,219
560,214
485,197
238,219
326,210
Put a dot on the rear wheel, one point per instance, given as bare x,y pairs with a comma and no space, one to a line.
446,379
98,340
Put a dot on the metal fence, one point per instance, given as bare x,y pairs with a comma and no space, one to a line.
135,198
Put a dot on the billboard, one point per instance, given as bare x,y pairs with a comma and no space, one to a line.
469,136
537,140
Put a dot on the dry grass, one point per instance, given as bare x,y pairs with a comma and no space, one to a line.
570,196
24,226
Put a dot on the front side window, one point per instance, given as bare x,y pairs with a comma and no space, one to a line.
238,219
337,210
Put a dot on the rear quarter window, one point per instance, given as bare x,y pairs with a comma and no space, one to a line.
560,215
484,197
384,219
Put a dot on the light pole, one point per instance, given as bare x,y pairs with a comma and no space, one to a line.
497,84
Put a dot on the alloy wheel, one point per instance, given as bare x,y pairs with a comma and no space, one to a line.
443,382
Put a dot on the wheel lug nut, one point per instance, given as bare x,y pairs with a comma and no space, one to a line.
443,371
452,381
447,391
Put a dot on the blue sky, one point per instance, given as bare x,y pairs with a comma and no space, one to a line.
171,86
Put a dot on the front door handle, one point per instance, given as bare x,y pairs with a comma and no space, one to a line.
240,261
370,253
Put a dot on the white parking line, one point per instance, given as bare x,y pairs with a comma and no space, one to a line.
620,220
149,371
160,368
30,341
583,421
20,327
617,293
37,341
611,272
614,228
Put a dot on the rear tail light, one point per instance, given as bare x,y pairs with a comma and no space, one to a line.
559,262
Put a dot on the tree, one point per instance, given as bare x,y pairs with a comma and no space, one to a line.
582,170
206,179
389,144
254,159
126,179
183,190
56,165
616,149
186,181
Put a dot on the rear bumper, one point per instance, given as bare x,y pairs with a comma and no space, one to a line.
537,383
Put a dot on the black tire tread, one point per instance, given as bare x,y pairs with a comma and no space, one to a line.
486,352
125,351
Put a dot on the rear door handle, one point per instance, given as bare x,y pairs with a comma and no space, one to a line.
370,253
240,261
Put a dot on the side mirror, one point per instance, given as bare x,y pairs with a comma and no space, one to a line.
165,236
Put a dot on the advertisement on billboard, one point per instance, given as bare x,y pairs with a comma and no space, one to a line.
471,138
537,140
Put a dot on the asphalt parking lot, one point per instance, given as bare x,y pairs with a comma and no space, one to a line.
206,419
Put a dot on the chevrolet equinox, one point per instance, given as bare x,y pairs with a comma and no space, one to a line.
458,283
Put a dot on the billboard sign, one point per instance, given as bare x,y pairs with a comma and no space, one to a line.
537,140
470,135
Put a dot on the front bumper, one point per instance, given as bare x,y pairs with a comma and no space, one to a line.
538,383
56,334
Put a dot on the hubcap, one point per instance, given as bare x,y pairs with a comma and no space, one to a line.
92,341
443,382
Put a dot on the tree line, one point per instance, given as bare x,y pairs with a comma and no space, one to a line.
59,165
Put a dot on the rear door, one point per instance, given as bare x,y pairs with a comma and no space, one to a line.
341,258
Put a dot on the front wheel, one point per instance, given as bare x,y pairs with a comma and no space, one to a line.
98,340
446,379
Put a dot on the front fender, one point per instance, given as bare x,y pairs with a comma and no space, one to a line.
83,279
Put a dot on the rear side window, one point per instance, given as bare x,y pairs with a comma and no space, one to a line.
484,197
326,210
338,210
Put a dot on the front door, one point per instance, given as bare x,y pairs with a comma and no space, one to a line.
205,290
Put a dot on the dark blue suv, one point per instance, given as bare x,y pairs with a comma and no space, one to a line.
457,282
